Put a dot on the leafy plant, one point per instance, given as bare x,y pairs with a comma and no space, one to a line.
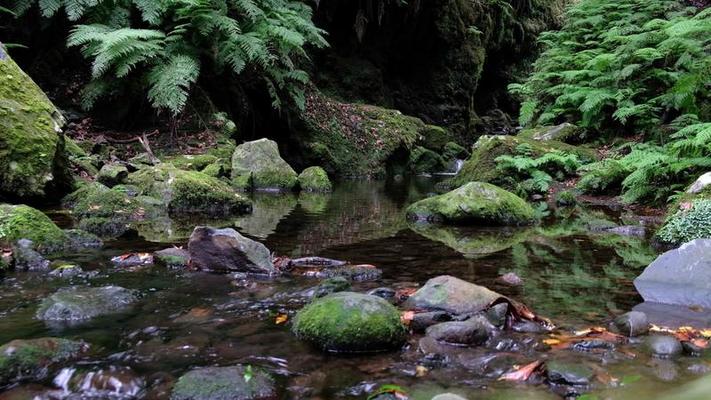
535,175
168,45
688,224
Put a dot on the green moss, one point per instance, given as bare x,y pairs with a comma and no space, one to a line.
565,198
423,160
481,165
602,177
32,153
258,165
565,132
225,383
191,162
689,220
214,170
435,137
350,322
454,151
112,174
30,359
23,222
474,203
314,179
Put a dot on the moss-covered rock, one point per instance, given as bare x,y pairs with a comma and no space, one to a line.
687,221
453,151
435,137
191,162
33,162
474,203
453,295
481,165
257,165
424,160
24,222
112,174
83,303
33,359
350,322
565,132
314,179
473,242
188,192
354,140
237,382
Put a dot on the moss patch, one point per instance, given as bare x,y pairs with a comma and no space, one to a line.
24,222
258,165
31,359
314,179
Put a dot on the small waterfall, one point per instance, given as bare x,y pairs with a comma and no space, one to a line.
63,377
454,168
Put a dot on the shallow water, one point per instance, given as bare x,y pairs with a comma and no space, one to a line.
571,274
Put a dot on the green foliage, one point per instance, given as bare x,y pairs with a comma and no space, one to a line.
535,175
688,224
621,65
167,45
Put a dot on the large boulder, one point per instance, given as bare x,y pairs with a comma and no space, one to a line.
24,222
188,192
475,203
350,322
224,383
225,250
314,179
32,359
258,165
453,295
681,276
84,303
33,162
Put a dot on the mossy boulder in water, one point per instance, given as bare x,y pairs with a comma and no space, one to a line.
474,203
453,295
314,179
22,360
84,303
188,192
24,222
350,322
258,165
224,383
32,157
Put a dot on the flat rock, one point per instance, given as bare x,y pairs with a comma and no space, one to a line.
83,303
224,383
633,323
452,295
471,332
681,276
674,316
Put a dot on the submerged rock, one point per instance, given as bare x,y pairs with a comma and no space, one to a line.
26,258
224,383
258,165
474,203
681,276
314,179
225,250
663,346
453,295
172,257
24,222
568,373
472,332
350,322
83,303
32,359
633,323
421,321
33,161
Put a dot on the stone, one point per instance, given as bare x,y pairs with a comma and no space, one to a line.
132,260
448,396
475,203
452,295
32,359
225,250
350,322
105,383
81,240
472,332
425,161
172,257
314,179
510,278
674,316
700,184
633,323
663,346
112,174
84,303
421,321
332,285
628,230
681,276
67,271
453,151
33,160
26,259
24,222
356,273
383,292
224,383
563,132
568,373
258,165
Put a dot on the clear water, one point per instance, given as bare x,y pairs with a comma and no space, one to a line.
572,275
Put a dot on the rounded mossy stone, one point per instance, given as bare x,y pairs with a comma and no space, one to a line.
224,383
474,203
258,165
314,179
350,322
24,222
191,162
112,174
453,151
31,359
435,137
424,160
32,155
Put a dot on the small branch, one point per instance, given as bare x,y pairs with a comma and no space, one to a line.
147,146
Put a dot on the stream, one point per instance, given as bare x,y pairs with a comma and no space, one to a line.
572,273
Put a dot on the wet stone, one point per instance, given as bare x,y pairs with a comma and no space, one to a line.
132,260
510,279
224,383
27,259
568,373
172,257
664,346
110,382
67,271
383,292
331,285
497,314
692,349
356,273
528,327
226,250
83,303
448,396
22,360
471,332
453,295
633,323
422,321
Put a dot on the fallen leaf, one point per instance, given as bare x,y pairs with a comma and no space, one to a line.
281,319
522,374
421,371
551,342
406,317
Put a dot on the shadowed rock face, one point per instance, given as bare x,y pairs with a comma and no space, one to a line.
225,250
681,276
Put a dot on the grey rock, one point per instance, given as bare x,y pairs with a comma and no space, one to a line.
224,383
568,373
700,184
628,230
664,346
26,258
471,332
453,295
225,250
112,174
422,321
448,396
172,257
384,292
681,276
633,323
83,303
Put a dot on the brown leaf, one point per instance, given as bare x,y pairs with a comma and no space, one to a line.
281,319
522,374
406,317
